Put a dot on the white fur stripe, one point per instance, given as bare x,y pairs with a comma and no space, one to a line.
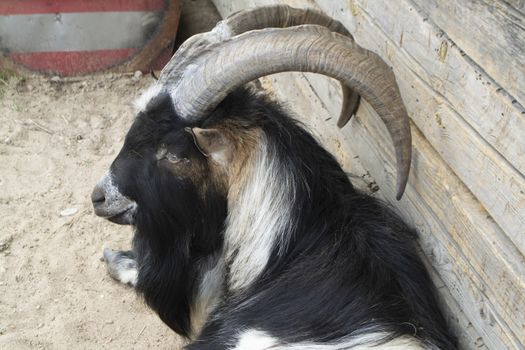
142,101
254,339
259,217
207,298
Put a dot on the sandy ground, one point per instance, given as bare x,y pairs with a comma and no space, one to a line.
56,139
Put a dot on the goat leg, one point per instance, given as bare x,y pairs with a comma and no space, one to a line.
121,265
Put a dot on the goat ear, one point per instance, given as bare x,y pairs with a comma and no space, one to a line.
213,144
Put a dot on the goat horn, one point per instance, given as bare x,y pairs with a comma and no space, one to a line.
283,16
308,48
275,16
280,16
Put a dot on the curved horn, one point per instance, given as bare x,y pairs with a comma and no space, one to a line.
308,48
280,16
276,16
283,16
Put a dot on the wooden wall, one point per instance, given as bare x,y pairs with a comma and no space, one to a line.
460,66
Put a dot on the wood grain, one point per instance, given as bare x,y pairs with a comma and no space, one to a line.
491,32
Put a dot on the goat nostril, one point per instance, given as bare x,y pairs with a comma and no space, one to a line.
98,196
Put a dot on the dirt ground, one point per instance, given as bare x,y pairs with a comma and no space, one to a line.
57,137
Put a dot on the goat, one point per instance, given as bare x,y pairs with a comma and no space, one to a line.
248,234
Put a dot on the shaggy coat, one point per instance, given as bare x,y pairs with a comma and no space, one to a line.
270,247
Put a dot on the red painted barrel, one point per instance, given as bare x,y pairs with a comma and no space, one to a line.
73,37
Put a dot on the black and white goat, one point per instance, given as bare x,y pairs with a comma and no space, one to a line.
248,234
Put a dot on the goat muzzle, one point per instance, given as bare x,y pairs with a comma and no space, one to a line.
110,204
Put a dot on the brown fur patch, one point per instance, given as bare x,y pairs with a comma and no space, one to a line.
227,178
190,168
244,141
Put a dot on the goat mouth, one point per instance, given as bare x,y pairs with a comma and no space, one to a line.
123,218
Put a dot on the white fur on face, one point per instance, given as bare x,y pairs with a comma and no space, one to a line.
142,101
259,218
254,339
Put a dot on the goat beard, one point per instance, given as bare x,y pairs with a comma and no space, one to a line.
172,242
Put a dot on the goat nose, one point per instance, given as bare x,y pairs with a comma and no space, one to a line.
98,196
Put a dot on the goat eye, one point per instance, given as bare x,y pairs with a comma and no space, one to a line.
172,158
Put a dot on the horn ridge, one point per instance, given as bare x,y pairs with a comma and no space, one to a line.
273,16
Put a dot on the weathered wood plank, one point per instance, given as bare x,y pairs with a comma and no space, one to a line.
471,292
491,32
468,337
448,71
495,181
519,5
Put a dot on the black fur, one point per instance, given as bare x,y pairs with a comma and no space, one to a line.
350,266
177,230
